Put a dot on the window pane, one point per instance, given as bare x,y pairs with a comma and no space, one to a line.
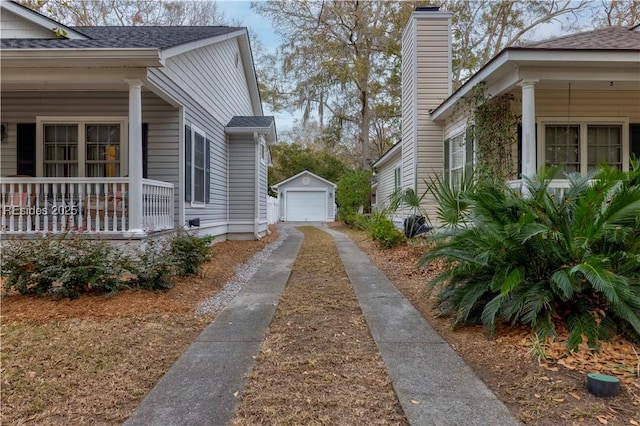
60,150
562,147
199,164
103,150
604,146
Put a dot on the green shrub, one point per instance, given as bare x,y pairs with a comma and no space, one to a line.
382,229
548,257
190,252
65,266
68,266
153,266
352,192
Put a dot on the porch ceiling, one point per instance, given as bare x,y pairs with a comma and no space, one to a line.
551,69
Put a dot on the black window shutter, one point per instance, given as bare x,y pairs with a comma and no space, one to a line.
187,163
634,139
26,137
207,172
447,166
145,150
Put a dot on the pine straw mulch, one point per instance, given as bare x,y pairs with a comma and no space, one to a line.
319,363
93,359
551,391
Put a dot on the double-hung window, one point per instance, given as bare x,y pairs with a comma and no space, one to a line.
197,164
82,147
397,179
584,144
458,157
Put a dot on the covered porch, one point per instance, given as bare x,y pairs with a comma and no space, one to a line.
92,153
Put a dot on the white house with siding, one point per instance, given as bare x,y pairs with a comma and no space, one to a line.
578,97
388,180
130,131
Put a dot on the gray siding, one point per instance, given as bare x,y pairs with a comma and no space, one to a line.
242,158
213,79
262,191
196,116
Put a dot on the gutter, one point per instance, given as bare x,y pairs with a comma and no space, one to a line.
81,58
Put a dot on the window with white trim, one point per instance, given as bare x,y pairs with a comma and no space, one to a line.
76,147
397,179
455,157
583,145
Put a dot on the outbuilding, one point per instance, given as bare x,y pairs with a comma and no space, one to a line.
306,197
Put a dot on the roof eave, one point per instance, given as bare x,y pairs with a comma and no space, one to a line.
387,155
304,172
80,58
270,131
521,56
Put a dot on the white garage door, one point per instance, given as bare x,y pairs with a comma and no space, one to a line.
307,206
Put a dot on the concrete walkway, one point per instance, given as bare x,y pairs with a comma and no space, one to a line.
433,384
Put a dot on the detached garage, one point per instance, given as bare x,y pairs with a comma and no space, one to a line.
306,197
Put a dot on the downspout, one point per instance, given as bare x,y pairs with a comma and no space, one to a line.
256,218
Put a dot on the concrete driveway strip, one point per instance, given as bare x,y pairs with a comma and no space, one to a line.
434,385
199,388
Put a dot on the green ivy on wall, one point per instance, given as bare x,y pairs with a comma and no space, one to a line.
495,131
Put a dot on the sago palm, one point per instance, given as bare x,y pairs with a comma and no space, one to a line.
546,257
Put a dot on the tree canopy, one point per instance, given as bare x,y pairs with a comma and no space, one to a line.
340,60
291,159
129,12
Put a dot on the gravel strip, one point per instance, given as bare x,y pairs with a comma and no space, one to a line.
244,273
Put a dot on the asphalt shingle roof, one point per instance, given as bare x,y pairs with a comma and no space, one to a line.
124,37
610,38
251,121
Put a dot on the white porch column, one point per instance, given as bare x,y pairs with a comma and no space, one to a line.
135,157
528,128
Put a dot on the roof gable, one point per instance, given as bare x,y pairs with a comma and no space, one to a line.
34,20
303,173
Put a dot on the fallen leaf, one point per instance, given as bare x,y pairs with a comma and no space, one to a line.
236,393
413,401
574,395
602,420
634,423
558,399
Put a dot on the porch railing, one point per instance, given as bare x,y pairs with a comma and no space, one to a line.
556,186
96,205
